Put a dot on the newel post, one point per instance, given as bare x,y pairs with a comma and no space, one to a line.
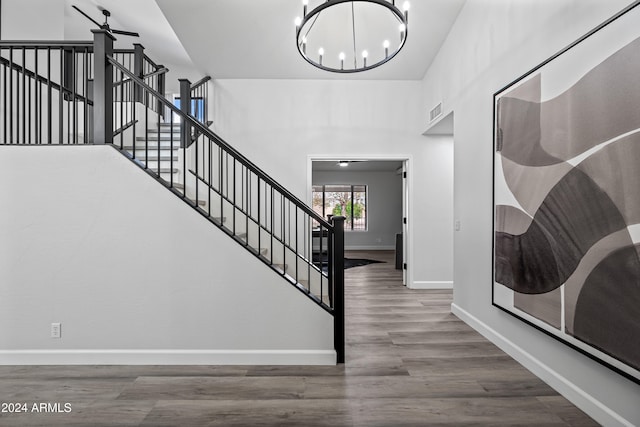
185,107
102,87
161,88
138,69
338,286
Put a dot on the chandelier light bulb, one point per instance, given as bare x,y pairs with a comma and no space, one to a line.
297,21
341,56
304,44
385,44
320,53
304,7
402,29
364,57
405,6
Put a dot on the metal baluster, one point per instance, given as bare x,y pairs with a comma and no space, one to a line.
248,202
259,219
4,103
38,100
210,183
197,171
11,95
172,146
74,97
296,240
159,141
283,234
60,100
220,186
24,97
272,234
49,100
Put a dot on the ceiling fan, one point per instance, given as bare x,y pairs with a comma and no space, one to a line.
105,25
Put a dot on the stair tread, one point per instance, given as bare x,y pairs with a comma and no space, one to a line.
141,147
155,137
164,170
154,157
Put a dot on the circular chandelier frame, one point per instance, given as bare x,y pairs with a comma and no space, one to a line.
403,18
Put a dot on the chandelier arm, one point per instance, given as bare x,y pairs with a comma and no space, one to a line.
315,18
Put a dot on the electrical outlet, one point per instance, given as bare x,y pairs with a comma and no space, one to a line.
56,330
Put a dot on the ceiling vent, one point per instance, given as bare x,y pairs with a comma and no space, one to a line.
435,112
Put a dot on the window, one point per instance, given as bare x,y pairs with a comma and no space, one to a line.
349,201
197,108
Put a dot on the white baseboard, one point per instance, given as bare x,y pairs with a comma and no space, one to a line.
587,403
445,284
167,357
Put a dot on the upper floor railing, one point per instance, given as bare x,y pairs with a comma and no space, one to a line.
46,89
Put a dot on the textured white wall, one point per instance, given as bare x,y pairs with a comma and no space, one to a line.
491,44
281,124
133,274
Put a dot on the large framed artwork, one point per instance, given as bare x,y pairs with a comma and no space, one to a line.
567,195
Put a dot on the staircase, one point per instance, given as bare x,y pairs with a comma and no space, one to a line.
174,148
158,151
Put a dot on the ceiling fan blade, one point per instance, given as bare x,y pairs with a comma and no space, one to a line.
87,16
125,33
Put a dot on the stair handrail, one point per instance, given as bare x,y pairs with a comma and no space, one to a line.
200,82
222,143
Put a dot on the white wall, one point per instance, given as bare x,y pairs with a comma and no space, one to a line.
384,206
491,44
281,124
44,20
134,274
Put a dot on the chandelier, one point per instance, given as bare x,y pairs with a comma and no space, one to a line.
349,36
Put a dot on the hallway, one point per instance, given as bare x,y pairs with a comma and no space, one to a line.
409,362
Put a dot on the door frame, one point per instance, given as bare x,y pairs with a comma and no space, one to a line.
407,197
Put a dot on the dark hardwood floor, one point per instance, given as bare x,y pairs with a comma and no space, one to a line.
410,362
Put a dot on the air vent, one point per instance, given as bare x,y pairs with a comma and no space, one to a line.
435,112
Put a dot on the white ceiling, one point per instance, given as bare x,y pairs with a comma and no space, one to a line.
142,16
255,39
250,39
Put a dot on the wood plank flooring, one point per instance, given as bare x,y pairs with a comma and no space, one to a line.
410,362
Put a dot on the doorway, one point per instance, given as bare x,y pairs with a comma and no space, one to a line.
373,195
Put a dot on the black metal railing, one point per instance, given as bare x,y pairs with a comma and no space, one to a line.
241,199
79,93
232,192
46,89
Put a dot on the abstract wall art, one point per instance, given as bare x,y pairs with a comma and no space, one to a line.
567,195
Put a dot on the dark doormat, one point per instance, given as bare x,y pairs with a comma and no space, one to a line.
358,262
348,262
